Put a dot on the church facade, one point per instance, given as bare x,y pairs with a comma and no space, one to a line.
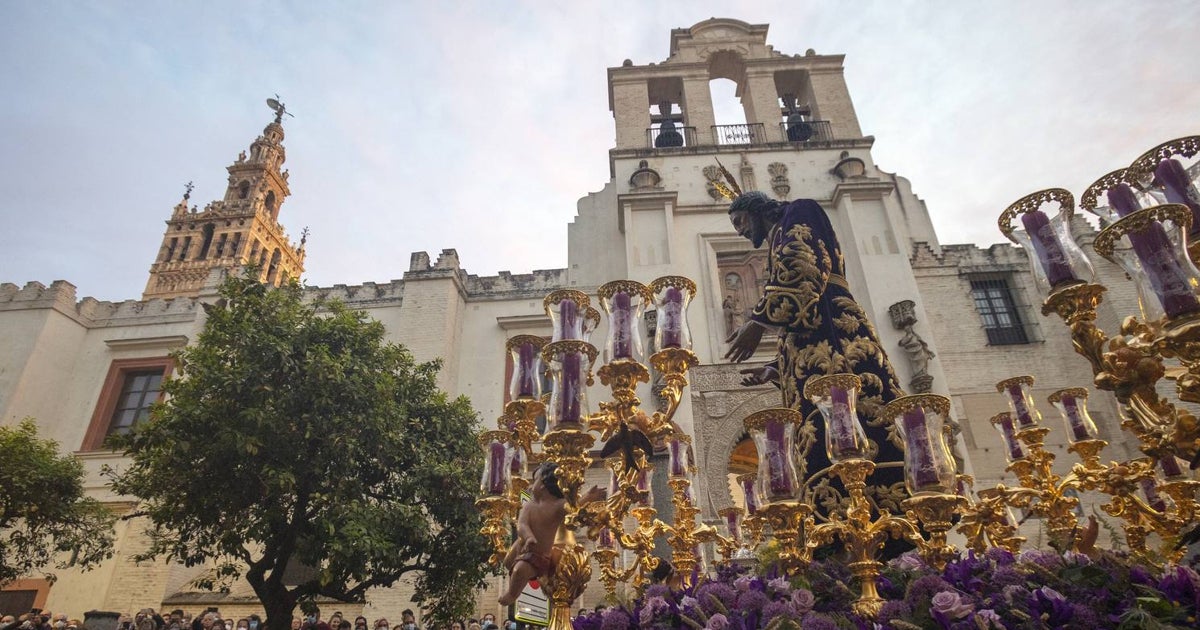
955,319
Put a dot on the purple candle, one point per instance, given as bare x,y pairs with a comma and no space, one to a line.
733,523
621,321
568,317
1167,277
517,462
1021,407
1047,248
748,489
1178,187
1008,431
569,389
842,424
1075,419
919,460
1170,466
496,478
643,486
671,318
1150,490
678,457
528,355
606,538
780,479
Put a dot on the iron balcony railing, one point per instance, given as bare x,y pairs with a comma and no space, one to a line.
751,133
670,138
807,130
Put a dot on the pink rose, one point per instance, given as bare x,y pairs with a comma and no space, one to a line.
717,622
803,600
950,604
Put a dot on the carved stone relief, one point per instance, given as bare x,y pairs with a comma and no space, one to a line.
779,179
712,174
903,315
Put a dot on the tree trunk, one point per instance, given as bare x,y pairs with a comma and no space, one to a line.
278,601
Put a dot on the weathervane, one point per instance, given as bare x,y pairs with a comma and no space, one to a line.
279,108
187,190
304,236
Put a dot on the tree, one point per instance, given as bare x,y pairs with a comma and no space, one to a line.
43,510
295,436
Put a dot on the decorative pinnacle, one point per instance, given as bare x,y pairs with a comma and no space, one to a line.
187,190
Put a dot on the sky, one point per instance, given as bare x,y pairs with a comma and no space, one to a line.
421,126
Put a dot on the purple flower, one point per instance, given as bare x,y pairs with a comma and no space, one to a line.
653,608
1002,557
803,600
1181,585
778,609
893,610
657,590
922,590
951,604
717,622
689,603
1054,609
752,601
987,619
743,583
614,619
1044,559
710,593
779,585
817,621
908,561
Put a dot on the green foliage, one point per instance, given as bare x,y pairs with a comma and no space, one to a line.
295,434
43,510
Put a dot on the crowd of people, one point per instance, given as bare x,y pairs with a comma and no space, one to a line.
211,619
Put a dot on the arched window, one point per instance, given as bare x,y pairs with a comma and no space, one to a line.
274,267
208,236
270,204
243,189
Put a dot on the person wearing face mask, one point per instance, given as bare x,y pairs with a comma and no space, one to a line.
408,621
243,624
255,622
60,622
510,624
360,623
312,621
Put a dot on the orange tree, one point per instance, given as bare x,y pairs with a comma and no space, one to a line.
296,436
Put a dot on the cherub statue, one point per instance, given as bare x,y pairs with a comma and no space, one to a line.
531,554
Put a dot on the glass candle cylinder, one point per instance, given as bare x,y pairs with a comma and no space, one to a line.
671,295
1056,258
526,354
733,522
1159,265
836,397
774,434
645,475
1179,188
1096,198
748,482
623,301
1072,404
496,465
567,309
591,320
606,540
1013,449
516,460
963,488
1018,391
679,452
928,464
1171,467
570,363
1153,498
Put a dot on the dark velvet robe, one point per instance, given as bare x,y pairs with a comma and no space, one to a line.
822,330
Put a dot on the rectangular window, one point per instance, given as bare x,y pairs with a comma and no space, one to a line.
998,311
130,388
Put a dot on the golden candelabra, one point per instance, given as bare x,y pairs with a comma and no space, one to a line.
625,429
1150,209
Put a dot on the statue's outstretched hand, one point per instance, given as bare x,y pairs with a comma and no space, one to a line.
758,375
744,341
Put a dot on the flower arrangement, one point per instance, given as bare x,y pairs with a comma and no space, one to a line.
996,591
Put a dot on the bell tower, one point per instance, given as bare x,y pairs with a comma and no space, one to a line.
241,229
